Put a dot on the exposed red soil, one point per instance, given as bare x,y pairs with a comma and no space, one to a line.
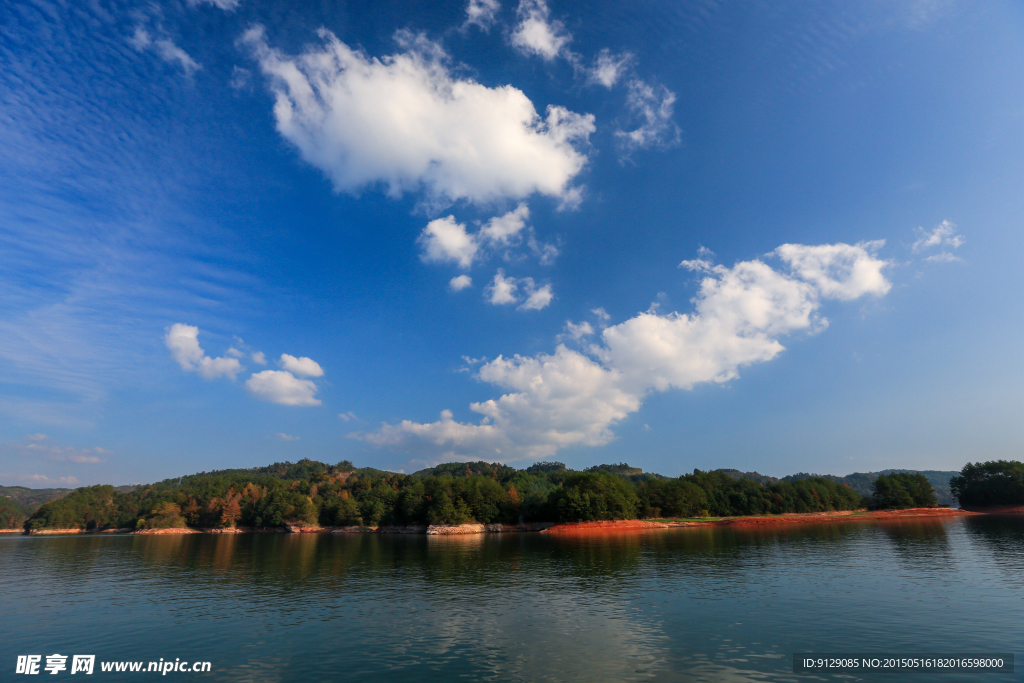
755,521
999,510
605,526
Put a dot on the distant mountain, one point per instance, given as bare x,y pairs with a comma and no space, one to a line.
861,481
31,499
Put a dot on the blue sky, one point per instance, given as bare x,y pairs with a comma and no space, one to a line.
679,234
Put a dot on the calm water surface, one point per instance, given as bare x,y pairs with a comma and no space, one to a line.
681,605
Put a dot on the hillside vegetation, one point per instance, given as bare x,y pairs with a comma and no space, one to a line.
314,493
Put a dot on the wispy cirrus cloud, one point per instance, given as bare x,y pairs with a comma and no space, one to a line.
40,446
142,41
651,107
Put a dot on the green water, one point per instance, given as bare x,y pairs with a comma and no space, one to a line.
682,605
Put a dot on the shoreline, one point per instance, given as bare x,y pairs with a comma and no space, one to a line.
608,526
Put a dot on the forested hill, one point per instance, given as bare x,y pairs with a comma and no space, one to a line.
17,503
315,493
861,481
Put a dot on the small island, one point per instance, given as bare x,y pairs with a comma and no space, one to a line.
458,498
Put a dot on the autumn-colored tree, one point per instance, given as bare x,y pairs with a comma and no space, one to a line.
230,513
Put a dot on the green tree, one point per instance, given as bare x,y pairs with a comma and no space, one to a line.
983,484
902,490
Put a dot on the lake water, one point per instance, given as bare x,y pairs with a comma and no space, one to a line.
705,604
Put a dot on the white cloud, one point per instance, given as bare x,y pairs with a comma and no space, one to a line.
304,367
460,282
577,331
839,271
226,5
404,121
183,342
944,257
168,51
601,314
287,437
40,446
259,358
574,398
609,68
942,235
239,78
503,230
653,107
536,33
502,290
234,352
281,386
446,240
546,253
537,298
43,479
349,416
506,290
482,13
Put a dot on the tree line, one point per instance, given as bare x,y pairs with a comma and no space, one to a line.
313,493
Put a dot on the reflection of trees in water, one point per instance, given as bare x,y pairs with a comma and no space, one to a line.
920,544
1003,538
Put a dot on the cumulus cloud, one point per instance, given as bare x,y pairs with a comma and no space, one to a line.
482,13
259,358
281,386
575,398
653,108
348,417
286,437
166,49
460,282
941,236
609,68
503,230
577,331
506,290
183,342
538,298
839,271
535,33
406,122
304,367
502,290
444,239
